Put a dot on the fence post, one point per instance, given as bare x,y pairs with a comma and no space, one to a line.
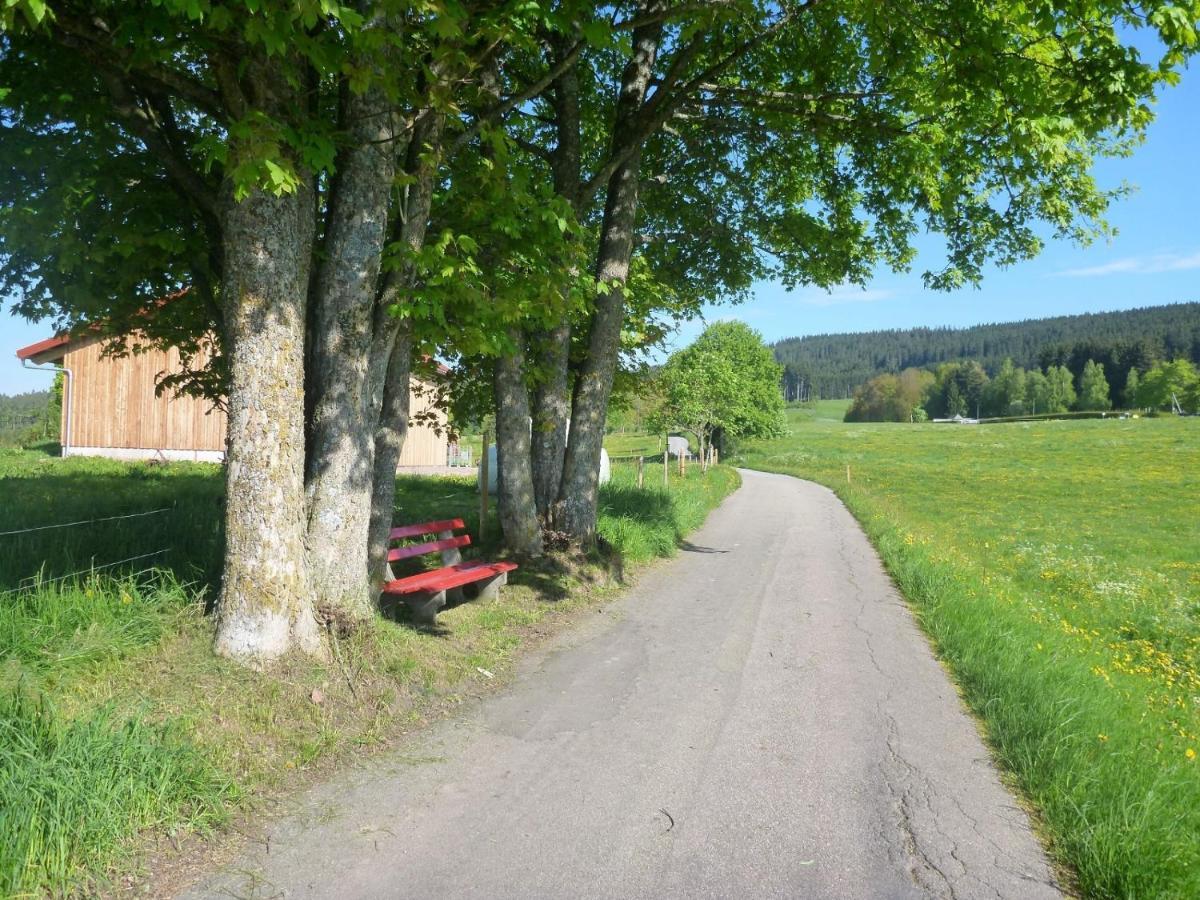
641,472
667,465
483,488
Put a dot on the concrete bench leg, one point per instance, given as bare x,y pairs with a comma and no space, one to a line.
490,589
451,557
424,607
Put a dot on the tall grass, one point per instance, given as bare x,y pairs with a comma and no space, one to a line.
73,792
1122,802
76,786
52,630
1054,566
643,523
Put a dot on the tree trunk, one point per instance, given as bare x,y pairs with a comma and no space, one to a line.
389,443
264,607
551,412
341,441
552,393
575,509
392,353
518,513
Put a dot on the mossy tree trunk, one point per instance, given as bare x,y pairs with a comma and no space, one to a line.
551,411
390,434
264,608
518,512
392,351
344,411
551,406
575,508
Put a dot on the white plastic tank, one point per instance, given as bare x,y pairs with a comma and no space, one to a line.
677,446
494,468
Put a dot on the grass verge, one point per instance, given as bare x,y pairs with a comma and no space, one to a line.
118,725
1053,565
72,791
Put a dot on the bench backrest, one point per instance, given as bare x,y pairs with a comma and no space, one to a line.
446,541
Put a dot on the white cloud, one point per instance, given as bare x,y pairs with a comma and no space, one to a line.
1149,264
842,293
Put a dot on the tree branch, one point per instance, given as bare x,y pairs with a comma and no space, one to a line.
152,130
530,147
667,13
659,108
622,151
737,93
95,36
498,112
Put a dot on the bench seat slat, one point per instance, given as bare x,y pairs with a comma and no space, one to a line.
412,531
448,577
398,553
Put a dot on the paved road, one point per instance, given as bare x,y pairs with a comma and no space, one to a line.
759,717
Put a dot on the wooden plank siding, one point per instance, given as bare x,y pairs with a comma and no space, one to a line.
423,446
113,406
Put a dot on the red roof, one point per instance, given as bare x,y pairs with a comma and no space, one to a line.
61,340
42,346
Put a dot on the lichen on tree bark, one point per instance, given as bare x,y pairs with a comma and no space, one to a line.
264,608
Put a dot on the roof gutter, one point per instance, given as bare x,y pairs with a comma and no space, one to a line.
68,396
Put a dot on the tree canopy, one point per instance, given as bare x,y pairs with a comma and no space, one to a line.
964,389
1168,383
726,380
893,398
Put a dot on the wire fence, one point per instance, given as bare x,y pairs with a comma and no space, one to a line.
152,512
40,580
37,581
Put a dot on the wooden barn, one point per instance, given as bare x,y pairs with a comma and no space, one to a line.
110,408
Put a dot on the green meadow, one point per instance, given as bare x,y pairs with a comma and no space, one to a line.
119,728
1056,567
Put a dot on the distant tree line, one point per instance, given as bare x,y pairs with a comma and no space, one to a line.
31,416
834,365
965,389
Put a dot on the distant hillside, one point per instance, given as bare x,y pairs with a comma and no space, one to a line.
27,416
835,364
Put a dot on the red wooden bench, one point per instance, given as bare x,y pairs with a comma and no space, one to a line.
426,592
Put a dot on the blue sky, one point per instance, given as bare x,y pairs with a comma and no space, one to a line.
1155,258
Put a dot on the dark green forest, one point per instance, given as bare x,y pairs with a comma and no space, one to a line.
28,417
833,365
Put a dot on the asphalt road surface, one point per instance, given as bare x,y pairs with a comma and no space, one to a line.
759,717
